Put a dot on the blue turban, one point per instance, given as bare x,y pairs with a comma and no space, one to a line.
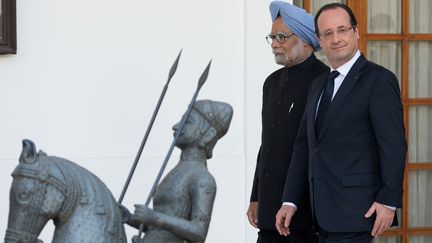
297,20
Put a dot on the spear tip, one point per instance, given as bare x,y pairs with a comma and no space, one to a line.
204,75
174,66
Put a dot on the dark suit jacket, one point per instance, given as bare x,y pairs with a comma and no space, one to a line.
359,155
283,88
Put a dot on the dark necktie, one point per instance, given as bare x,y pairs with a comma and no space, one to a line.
325,100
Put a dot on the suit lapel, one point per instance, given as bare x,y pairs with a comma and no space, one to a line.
347,85
312,103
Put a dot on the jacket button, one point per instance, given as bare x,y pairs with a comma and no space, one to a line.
279,102
272,125
316,149
268,150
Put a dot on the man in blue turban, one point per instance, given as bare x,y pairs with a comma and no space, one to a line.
293,42
297,20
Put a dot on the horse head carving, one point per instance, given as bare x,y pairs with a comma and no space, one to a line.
51,188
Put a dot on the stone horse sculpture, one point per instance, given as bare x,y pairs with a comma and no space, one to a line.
47,187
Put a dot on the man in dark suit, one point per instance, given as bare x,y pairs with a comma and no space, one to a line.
293,42
351,144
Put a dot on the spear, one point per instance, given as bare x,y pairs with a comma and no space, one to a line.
149,127
201,81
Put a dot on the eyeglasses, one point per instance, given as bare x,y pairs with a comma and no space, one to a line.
342,31
280,37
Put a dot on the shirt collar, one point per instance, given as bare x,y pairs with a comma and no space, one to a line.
344,69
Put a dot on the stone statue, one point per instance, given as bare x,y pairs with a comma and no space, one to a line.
47,187
83,209
183,201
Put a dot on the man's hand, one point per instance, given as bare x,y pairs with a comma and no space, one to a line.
384,218
283,219
252,214
143,215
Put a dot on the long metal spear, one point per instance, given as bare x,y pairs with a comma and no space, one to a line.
201,81
149,127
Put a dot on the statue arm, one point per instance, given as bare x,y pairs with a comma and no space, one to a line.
196,228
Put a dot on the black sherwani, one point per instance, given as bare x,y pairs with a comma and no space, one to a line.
284,99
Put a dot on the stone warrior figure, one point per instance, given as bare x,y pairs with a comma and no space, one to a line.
183,201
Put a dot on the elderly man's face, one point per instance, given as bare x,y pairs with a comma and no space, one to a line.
290,52
192,131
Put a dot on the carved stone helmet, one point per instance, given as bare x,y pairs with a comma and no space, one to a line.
217,114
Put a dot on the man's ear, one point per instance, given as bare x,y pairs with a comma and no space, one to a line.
208,137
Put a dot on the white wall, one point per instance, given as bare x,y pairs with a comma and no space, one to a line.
88,74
